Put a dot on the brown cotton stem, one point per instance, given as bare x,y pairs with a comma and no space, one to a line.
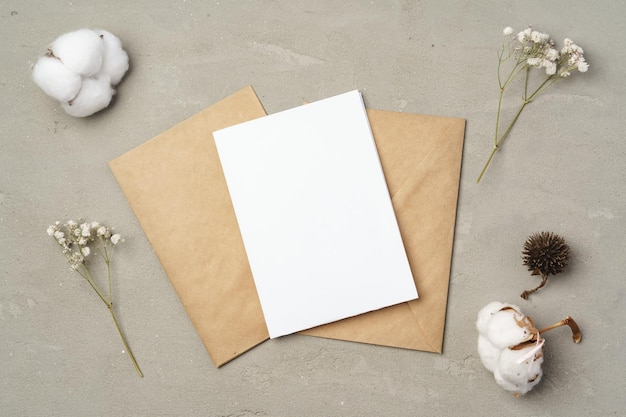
567,321
544,280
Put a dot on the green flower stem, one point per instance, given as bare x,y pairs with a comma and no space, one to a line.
525,100
130,352
498,142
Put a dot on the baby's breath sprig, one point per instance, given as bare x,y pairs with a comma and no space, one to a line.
531,49
78,242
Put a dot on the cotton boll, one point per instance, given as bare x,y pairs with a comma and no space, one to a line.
80,51
95,95
489,354
485,314
508,327
55,79
520,370
114,58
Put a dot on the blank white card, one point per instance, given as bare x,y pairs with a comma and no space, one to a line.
315,214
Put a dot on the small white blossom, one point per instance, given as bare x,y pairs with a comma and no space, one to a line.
86,251
115,238
583,66
507,31
101,231
58,235
51,230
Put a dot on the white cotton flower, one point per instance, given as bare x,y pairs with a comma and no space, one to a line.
80,51
115,58
507,328
115,239
80,69
489,354
55,79
507,31
520,370
95,95
510,347
486,313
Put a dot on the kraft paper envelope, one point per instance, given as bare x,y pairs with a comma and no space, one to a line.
176,188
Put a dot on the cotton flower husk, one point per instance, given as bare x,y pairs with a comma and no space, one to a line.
80,51
55,79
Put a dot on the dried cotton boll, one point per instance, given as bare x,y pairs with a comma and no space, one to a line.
511,347
520,370
489,354
80,51
114,59
485,314
55,79
95,95
509,327
80,69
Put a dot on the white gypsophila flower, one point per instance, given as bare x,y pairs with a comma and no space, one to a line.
50,230
550,67
507,31
552,54
71,223
85,251
534,62
101,231
95,225
58,235
82,241
583,66
115,239
85,231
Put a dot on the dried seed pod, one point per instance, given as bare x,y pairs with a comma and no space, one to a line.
544,254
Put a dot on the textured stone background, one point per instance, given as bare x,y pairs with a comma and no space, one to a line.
562,169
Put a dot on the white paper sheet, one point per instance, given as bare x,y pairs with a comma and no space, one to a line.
315,214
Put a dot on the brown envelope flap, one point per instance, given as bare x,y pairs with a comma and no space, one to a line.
175,186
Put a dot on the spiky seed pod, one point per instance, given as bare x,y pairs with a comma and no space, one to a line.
545,253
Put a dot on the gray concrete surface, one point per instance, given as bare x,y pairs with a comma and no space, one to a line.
563,169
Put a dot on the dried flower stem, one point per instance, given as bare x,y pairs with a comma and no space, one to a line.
567,321
532,49
544,280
